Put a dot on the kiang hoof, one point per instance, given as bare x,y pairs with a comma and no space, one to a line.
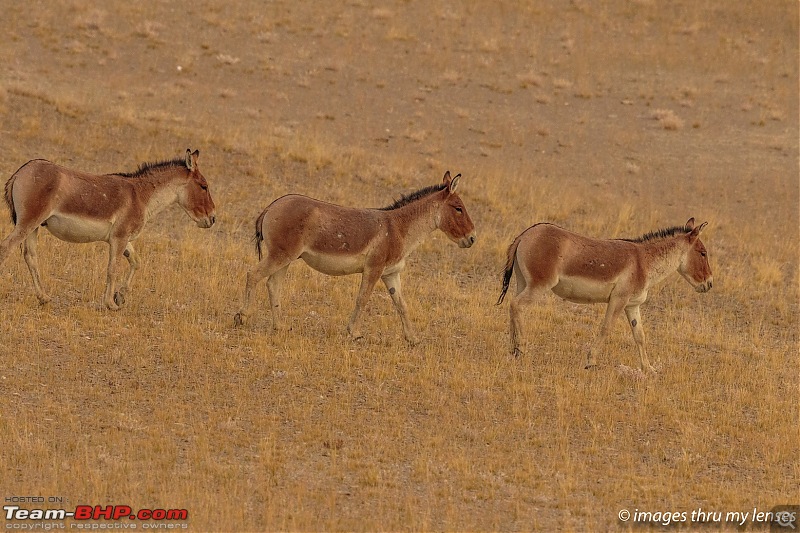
591,366
516,353
354,334
119,298
238,320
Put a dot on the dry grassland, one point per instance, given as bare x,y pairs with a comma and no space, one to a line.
611,119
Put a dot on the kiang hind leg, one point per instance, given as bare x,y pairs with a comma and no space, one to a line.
25,233
274,285
15,238
133,264
524,296
30,253
369,278
528,291
9,242
615,306
267,267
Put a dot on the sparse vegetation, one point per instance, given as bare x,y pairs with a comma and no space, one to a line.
551,112
668,119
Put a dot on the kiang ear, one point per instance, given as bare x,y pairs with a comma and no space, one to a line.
454,183
696,231
689,224
191,158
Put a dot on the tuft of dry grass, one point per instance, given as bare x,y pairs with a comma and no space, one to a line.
530,79
668,119
561,83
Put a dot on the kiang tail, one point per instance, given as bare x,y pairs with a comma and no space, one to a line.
10,200
259,235
511,256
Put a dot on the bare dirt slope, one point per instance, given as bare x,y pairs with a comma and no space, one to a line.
612,119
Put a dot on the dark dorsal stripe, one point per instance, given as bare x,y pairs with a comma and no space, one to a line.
659,234
146,168
414,196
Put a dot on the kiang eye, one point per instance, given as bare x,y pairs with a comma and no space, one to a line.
204,187
703,253
459,210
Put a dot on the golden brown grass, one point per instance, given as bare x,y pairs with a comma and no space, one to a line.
165,404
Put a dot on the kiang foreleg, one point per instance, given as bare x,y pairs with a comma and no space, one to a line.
392,282
116,248
133,264
635,322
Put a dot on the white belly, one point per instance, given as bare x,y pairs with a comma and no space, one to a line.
74,229
583,290
334,264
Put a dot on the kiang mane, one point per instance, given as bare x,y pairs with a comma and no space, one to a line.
414,196
146,168
659,234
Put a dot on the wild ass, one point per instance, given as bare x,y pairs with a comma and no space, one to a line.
338,241
618,272
79,207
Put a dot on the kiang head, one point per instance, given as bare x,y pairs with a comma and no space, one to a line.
453,218
694,265
194,197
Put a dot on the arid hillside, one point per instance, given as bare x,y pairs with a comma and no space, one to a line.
611,119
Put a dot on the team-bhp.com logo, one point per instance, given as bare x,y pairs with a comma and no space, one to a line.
95,512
